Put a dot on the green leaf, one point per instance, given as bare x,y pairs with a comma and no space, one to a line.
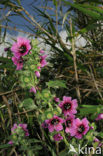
64,152
34,141
65,17
5,146
55,2
92,13
89,109
91,26
37,147
96,8
101,134
28,104
56,84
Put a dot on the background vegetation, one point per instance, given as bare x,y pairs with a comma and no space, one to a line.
79,70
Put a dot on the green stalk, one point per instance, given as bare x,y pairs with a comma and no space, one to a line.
65,140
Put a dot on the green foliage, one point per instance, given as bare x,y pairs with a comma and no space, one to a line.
28,104
56,84
90,109
60,78
32,61
89,10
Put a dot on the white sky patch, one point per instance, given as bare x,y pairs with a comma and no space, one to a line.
79,42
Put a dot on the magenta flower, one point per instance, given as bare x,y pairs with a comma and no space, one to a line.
55,123
57,137
39,67
33,90
24,127
30,52
69,123
43,57
6,49
44,124
21,47
68,106
56,99
97,140
80,128
37,73
42,51
91,127
43,61
10,142
14,128
18,63
100,117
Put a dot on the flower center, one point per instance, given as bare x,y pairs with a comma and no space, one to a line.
45,125
54,121
20,61
68,123
81,129
67,106
22,49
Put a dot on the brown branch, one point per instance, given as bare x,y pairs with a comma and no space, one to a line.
15,29
75,64
35,23
8,13
9,92
96,85
8,106
17,107
20,113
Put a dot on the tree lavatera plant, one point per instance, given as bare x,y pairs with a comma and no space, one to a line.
58,117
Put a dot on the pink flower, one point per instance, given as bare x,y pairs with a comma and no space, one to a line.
30,52
39,68
37,73
6,49
10,142
21,47
56,99
69,123
92,127
44,124
100,117
42,51
57,137
18,62
24,127
55,123
80,128
43,61
97,140
14,128
68,106
33,90
43,57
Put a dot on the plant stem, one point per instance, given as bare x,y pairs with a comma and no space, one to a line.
65,140
75,64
